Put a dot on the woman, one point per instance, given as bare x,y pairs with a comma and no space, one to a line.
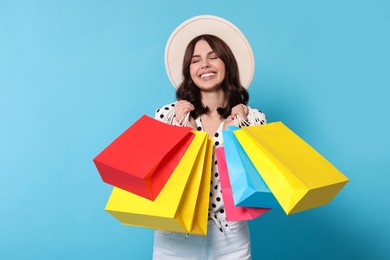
210,98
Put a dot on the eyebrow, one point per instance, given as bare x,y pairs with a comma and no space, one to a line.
197,55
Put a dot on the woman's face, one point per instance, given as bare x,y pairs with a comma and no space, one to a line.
207,70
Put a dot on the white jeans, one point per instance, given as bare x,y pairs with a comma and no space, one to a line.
232,243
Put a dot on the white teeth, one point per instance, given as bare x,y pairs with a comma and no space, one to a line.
206,75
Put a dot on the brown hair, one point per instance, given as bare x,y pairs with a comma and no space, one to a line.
234,92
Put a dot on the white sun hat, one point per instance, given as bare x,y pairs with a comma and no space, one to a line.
208,24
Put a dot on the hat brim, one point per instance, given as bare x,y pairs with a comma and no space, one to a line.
207,24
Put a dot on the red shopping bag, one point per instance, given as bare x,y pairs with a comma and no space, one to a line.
142,158
233,213
182,205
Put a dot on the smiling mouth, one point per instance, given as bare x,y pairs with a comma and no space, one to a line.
207,75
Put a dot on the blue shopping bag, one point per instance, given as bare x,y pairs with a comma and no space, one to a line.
249,188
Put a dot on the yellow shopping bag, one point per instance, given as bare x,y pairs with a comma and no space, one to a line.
175,208
298,176
202,205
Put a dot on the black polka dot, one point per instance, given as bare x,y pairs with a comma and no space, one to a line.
222,211
216,174
213,205
161,116
199,128
216,187
215,162
172,105
216,143
216,135
158,110
166,108
211,194
218,199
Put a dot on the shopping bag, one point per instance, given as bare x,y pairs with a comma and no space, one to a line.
248,187
142,158
199,226
181,205
233,213
298,176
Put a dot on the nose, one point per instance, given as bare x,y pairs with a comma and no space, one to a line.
205,64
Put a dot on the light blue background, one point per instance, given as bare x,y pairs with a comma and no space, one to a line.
75,74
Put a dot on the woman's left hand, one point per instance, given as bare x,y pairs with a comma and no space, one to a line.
240,110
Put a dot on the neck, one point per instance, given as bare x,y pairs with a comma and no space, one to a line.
213,100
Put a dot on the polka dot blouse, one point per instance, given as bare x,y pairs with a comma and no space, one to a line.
166,114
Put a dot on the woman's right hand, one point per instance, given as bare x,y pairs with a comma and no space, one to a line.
182,107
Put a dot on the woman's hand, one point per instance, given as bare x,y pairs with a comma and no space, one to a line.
182,107
240,110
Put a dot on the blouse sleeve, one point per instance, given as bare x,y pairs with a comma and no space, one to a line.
256,117
166,114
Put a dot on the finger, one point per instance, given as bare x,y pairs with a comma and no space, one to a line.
243,108
246,110
186,108
241,111
181,108
184,104
237,110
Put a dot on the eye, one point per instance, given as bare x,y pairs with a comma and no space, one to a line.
195,60
214,56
